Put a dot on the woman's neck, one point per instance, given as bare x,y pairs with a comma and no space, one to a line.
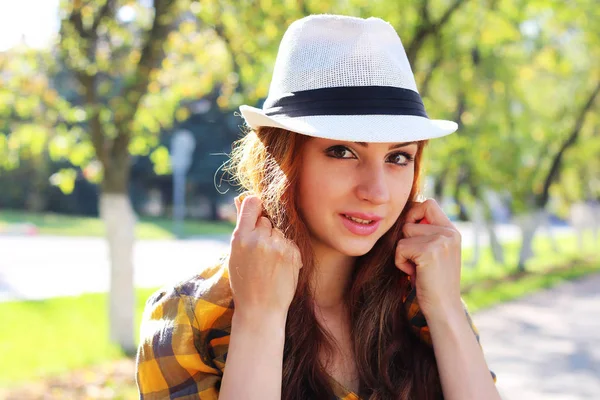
331,281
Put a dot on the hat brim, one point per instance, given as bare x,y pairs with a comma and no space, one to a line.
355,128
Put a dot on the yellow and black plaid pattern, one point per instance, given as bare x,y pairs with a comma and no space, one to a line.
185,336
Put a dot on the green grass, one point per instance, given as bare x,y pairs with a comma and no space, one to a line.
491,283
49,337
544,257
484,297
41,338
146,228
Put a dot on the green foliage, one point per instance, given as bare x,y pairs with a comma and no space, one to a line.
515,74
64,179
160,159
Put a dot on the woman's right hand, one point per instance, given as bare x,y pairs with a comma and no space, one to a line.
263,264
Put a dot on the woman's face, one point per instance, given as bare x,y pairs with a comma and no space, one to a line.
341,179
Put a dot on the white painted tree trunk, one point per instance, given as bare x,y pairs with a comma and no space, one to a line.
583,216
580,218
492,200
596,224
528,223
551,236
478,220
119,220
495,245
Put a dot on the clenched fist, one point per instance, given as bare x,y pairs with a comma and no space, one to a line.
263,264
430,253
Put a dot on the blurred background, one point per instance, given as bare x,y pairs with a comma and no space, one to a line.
116,117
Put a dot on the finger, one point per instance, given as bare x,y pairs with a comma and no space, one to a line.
407,266
243,195
431,211
409,251
277,233
295,252
264,225
412,230
298,259
278,238
239,199
250,211
296,255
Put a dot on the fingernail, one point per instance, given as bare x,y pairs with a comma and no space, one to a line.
242,196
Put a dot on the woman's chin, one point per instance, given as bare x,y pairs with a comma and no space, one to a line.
357,248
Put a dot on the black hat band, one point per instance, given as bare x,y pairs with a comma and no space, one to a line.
348,100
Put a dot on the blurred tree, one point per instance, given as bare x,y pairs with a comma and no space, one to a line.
127,71
491,66
29,109
555,89
520,77
506,61
113,61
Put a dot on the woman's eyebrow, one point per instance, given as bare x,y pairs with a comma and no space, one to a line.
394,146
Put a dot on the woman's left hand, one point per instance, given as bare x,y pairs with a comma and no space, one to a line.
430,253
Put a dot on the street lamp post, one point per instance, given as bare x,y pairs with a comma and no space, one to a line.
182,148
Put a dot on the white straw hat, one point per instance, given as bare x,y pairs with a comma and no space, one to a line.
345,78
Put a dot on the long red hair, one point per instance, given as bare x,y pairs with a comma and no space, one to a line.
392,362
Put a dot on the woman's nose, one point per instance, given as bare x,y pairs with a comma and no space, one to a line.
373,185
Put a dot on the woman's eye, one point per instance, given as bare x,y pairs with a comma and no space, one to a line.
342,152
339,152
401,158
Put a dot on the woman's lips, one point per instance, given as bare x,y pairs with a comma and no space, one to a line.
358,228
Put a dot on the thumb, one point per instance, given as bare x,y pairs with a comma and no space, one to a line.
250,211
239,199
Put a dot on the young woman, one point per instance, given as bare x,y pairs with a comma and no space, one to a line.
339,283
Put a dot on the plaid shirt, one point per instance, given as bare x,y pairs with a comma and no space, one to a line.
185,332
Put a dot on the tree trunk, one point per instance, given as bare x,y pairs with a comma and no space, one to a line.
579,218
119,219
462,215
438,187
528,224
483,218
596,223
551,236
495,245
36,200
477,221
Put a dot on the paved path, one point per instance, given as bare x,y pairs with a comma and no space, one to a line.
546,346
42,267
